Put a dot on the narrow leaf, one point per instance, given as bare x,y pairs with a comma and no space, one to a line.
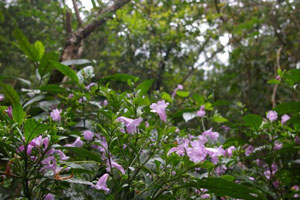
32,128
67,71
183,93
144,87
10,93
39,50
18,113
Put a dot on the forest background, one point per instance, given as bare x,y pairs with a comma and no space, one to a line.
75,70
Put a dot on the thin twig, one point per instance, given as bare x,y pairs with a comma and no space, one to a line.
77,13
277,66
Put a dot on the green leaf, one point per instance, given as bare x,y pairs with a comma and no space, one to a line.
288,107
39,50
273,81
228,177
9,148
166,96
222,187
24,45
253,121
221,103
18,113
183,93
199,99
33,100
143,87
83,153
53,89
292,76
10,93
32,128
67,71
45,64
219,119
78,181
26,82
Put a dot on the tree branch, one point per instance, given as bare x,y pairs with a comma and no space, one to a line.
77,13
103,14
68,22
74,41
208,59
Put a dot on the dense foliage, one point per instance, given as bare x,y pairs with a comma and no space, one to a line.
136,116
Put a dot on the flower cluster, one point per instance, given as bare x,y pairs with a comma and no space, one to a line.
43,151
197,151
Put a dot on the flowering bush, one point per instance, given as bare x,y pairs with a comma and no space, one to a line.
90,141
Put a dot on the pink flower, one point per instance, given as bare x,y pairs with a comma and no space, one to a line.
220,170
35,143
70,96
159,108
88,87
297,140
76,143
296,188
215,154
284,118
277,145
114,164
181,148
277,77
210,134
272,115
49,197
259,162
40,141
101,184
29,149
102,142
229,150
249,150
146,124
61,154
197,153
1,97
179,87
276,184
267,174
105,103
131,124
88,135
274,168
9,111
201,112
49,163
55,114
225,128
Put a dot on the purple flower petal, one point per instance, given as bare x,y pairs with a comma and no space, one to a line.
55,114
101,184
160,108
